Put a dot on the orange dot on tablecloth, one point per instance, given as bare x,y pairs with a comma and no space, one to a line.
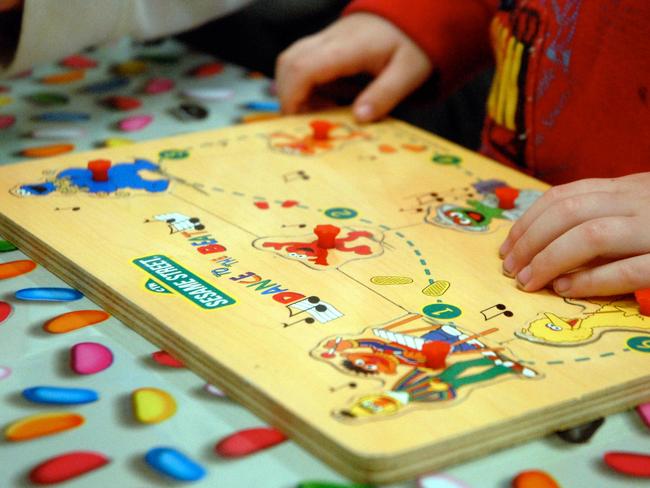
534,479
16,268
74,320
42,425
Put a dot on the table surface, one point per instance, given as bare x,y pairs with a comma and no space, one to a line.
37,357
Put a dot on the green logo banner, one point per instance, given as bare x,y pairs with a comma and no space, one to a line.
183,281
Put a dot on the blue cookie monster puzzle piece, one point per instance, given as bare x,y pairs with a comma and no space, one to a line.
120,176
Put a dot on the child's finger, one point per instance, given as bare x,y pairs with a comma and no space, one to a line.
616,278
610,236
558,219
300,73
287,63
406,71
554,195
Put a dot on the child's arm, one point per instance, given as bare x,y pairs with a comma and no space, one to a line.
399,43
7,5
599,227
51,29
10,18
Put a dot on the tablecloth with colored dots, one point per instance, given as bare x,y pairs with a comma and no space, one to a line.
130,68
30,356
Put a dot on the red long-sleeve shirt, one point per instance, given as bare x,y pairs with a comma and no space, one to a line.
571,94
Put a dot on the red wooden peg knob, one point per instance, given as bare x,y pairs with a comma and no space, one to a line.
436,353
507,196
99,168
643,299
321,129
326,235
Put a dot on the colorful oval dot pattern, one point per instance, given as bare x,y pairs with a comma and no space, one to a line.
249,441
5,372
534,479
151,405
42,425
6,246
67,466
16,268
90,358
48,294
52,395
70,321
5,311
174,464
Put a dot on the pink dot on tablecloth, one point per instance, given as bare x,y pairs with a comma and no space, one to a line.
158,85
5,372
213,390
643,411
90,358
135,123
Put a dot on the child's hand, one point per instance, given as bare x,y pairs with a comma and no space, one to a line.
358,43
589,238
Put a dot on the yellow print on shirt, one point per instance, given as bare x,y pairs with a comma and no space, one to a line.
504,93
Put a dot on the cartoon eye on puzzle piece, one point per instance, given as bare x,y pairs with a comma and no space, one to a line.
587,327
475,219
323,136
178,222
499,202
116,180
348,246
315,308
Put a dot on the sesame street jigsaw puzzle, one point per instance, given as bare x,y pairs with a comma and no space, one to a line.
341,281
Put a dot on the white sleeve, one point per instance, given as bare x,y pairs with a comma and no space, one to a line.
52,29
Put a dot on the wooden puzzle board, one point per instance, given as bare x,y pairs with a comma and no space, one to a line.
204,244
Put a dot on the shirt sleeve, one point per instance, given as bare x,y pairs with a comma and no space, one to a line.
51,29
454,33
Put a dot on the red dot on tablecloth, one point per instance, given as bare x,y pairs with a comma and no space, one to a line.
67,466
249,441
165,359
630,463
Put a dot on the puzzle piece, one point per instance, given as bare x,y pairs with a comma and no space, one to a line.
98,178
351,245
